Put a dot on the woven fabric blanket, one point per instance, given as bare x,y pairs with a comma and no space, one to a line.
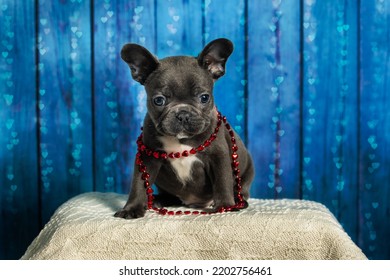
84,228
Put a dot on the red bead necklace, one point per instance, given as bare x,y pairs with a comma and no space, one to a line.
162,155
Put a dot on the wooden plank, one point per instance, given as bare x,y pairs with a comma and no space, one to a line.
274,97
374,222
179,28
120,102
19,222
64,101
330,108
227,19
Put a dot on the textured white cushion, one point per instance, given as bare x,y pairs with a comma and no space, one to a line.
84,228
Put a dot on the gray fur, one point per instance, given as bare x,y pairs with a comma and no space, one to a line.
184,121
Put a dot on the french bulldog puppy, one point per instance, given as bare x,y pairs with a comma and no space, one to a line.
181,114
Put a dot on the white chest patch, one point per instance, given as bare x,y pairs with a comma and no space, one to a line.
183,165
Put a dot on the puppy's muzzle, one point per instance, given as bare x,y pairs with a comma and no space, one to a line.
184,117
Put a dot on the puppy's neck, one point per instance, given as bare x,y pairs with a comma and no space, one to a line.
172,144
183,165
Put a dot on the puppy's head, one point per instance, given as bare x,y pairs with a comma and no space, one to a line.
180,88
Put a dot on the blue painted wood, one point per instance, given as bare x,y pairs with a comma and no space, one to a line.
331,130
330,97
227,19
179,28
120,102
20,217
274,97
374,163
64,45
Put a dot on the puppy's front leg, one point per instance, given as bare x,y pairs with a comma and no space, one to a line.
136,204
223,188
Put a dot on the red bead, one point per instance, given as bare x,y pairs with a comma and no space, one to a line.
164,155
231,133
148,152
236,171
234,148
156,155
234,156
200,148
149,190
177,155
150,205
145,176
138,161
163,211
216,129
213,137
233,140
238,180
187,212
235,164
219,123
142,168
241,204
224,119
170,213
203,212
221,210
142,148
146,184
171,155
179,212
192,151
207,143
227,126
185,154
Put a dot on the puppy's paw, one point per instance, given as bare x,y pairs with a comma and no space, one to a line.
131,212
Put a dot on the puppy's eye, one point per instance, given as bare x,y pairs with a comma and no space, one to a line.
159,100
204,98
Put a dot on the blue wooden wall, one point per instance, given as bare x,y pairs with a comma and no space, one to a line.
307,87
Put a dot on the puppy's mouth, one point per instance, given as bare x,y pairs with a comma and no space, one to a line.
183,123
181,131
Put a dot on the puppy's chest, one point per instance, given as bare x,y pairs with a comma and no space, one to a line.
183,165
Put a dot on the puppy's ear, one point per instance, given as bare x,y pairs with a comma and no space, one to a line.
214,56
141,62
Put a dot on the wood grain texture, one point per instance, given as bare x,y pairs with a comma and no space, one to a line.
374,161
19,201
330,109
226,19
274,97
306,88
179,28
64,43
120,102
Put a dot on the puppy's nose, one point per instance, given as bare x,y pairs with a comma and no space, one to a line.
183,116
